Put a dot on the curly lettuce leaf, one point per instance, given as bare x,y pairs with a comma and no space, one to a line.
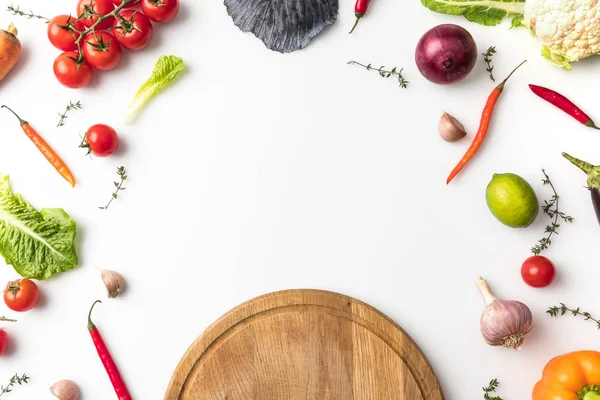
166,69
37,244
484,12
556,59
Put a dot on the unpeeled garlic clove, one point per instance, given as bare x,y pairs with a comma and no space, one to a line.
66,390
451,129
114,283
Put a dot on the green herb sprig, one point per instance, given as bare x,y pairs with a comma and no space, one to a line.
71,106
16,379
4,319
385,73
119,186
556,311
17,11
551,209
487,58
491,388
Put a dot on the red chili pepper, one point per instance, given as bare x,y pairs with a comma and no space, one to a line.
560,101
360,9
484,125
107,360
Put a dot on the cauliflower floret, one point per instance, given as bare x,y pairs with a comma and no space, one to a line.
568,29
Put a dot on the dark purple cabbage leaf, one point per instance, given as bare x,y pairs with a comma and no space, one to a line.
283,25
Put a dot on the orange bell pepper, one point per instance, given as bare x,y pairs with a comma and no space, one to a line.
572,376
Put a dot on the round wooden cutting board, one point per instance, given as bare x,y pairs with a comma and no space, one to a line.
304,345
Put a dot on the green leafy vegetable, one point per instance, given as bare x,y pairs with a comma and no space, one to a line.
556,59
37,244
166,69
484,12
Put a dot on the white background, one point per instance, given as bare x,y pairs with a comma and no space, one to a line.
257,172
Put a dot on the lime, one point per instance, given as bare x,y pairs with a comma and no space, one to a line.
512,200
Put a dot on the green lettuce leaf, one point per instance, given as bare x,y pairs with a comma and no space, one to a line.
517,21
166,69
37,244
484,12
556,59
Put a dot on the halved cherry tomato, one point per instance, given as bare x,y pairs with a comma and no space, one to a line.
538,271
117,3
70,72
21,295
160,10
132,29
62,32
101,50
101,140
89,10
3,341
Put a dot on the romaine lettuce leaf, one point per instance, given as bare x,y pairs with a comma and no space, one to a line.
484,12
37,244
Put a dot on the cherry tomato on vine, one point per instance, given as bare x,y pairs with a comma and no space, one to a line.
21,295
132,29
90,10
538,271
101,50
3,341
117,3
160,10
70,72
101,140
61,33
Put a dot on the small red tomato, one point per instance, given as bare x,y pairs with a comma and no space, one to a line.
132,29
3,341
21,295
88,12
101,140
62,32
117,3
538,271
101,50
160,10
70,72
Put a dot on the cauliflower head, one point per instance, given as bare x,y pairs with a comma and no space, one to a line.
568,29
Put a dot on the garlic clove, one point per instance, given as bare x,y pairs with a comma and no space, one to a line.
114,283
66,390
451,130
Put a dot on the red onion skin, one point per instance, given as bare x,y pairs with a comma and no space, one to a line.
446,53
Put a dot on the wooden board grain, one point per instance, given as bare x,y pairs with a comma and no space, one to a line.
304,344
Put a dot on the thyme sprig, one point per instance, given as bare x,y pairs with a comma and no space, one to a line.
71,106
551,209
385,73
17,11
491,388
556,311
4,319
487,58
118,185
16,379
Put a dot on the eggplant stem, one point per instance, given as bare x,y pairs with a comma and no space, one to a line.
582,165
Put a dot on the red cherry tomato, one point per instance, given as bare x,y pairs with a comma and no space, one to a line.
160,10
101,140
89,11
21,295
71,73
3,341
538,271
117,3
132,29
101,50
61,33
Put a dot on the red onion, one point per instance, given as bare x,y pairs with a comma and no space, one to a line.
446,54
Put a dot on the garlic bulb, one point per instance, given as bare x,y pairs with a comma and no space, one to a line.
66,390
450,129
114,283
503,322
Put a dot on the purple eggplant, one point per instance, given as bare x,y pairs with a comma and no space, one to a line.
593,182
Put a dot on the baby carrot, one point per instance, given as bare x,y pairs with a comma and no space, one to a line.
484,125
45,149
